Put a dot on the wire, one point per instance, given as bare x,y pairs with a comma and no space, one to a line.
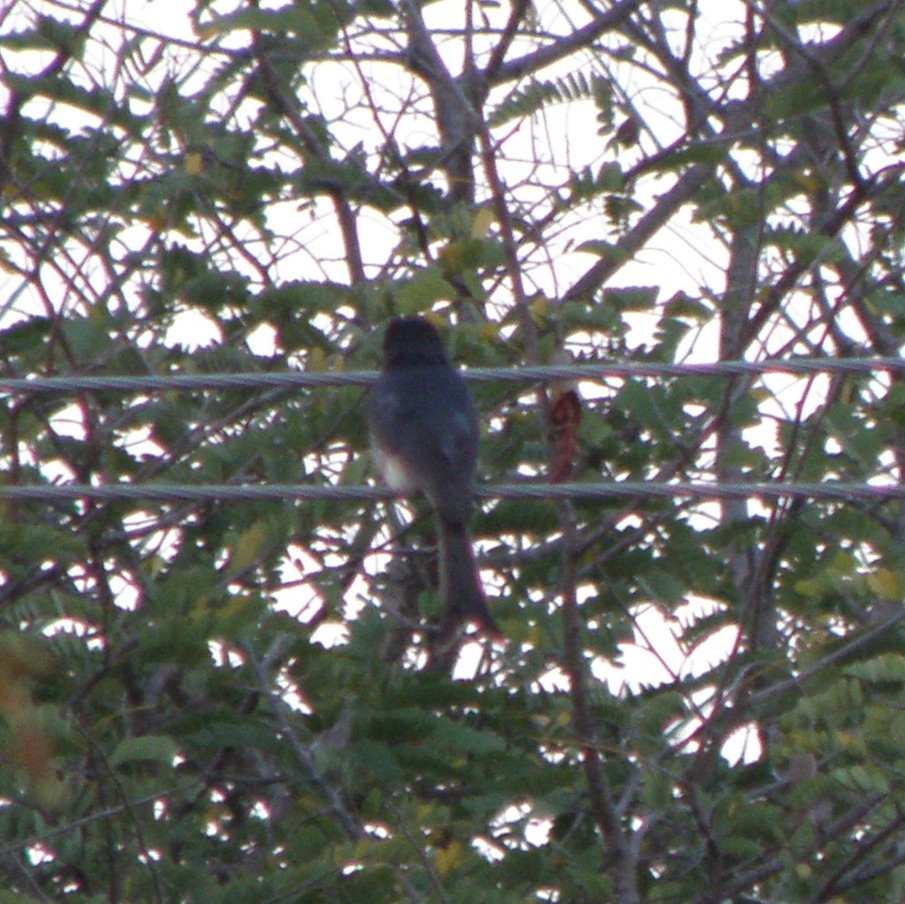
838,490
302,379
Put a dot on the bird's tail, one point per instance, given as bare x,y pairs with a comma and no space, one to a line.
460,584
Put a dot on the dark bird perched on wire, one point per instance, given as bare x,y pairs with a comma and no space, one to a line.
424,435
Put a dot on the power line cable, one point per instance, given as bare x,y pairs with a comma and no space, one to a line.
838,490
832,490
146,383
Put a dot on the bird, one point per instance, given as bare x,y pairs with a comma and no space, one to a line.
424,435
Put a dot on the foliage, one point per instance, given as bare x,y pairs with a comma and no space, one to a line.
701,699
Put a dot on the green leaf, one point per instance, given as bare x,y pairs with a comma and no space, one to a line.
419,293
464,739
632,298
153,748
662,587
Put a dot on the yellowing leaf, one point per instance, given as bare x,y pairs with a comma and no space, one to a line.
449,857
484,219
247,548
30,749
886,584
540,307
490,331
317,361
806,181
194,163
